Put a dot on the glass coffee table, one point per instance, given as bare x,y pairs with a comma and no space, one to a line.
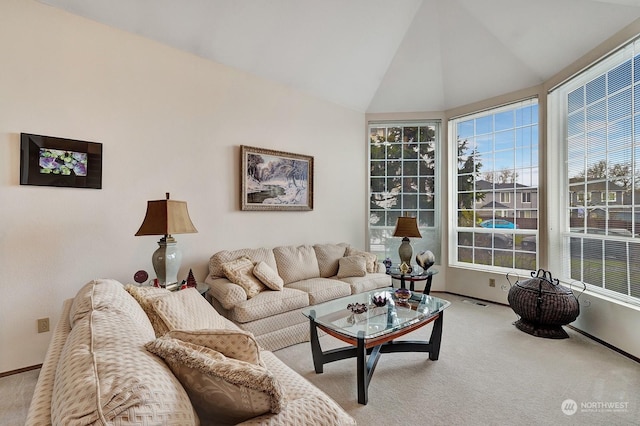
374,332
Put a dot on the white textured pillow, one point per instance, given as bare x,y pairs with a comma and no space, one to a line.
371,259
237,344
352,266
145,296
187,310
268,276
240,271
220,388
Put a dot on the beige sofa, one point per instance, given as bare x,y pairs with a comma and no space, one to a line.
107,365
309,275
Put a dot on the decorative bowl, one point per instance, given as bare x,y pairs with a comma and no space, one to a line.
403,294
379,299
357,308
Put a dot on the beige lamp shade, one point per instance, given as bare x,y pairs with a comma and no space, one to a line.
407,227
166,217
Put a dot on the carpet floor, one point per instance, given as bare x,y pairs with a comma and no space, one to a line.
488,373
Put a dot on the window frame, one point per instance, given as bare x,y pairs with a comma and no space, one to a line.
385,245
561,243
513,211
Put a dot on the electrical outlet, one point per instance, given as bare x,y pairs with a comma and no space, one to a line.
492,282
43,325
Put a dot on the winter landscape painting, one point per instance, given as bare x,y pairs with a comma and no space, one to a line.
275,180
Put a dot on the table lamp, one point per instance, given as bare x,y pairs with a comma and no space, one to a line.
406,227
166,217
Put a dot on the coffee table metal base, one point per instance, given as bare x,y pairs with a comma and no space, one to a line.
361,348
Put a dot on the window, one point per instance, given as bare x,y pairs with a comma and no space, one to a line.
598,112
497,158
526,197
582,199
403,181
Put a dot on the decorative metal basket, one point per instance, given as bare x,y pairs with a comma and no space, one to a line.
543,305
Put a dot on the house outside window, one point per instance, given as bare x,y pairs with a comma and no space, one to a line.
526,197
403,181
582,199
497,158
598,116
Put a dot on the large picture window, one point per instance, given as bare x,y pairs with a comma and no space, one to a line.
599,127
403,181
495,166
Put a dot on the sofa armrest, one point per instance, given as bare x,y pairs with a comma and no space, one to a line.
40,409
226,292
381,268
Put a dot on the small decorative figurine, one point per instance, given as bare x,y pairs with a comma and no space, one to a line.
191,281
387,264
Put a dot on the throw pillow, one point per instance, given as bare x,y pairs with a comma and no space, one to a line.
352,266
268,276
187,310
328,256
240,271
222,390
372,259
236,344
145,296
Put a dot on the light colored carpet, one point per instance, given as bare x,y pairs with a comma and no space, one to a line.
489,373
15,395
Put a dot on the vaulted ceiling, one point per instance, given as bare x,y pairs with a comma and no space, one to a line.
378,55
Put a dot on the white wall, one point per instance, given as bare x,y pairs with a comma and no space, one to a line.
168,122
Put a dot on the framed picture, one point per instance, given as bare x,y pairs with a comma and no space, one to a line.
51,161
275,180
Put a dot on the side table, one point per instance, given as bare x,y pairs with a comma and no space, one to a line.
203,288
413,277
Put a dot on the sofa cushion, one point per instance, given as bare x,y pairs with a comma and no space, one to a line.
237,344
296,263
352,266
187,310
328,256
105,375
256,255
223,390
240,271
372,259
322,289
145,296
268,276
269,303
368,282
88,298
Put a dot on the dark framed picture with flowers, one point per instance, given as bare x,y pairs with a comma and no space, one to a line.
53,161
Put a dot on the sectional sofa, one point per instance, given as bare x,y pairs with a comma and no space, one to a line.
263,290
147,356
